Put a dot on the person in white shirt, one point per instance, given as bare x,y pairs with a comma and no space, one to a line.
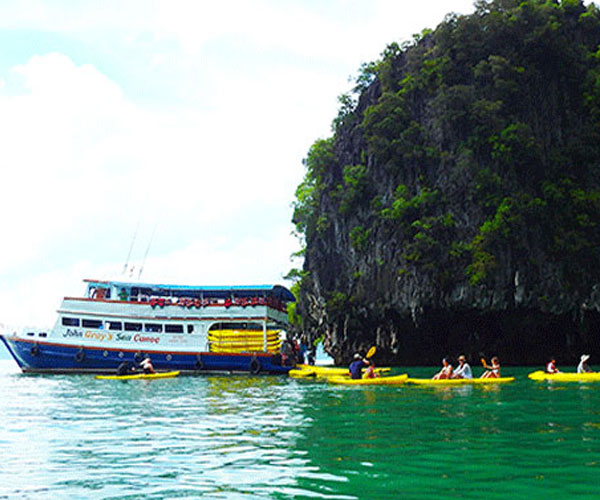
583,367
147,365
445,372
463,370
491,371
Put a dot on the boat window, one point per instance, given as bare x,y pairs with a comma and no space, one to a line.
190,328
152,327
133,327
70,321
236,326
114,325
173,328
43,334
91,323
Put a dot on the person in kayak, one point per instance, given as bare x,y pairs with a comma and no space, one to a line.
551,366
146,365
370,371
445,372
491,371
583,367
463,370
125,368
357,365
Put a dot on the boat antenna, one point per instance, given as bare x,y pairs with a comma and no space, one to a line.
147,250
131,247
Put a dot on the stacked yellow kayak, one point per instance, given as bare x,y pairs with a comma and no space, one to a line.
238,341
393,380
565,377
138,376
460,381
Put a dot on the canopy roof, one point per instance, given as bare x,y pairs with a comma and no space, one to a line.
277,291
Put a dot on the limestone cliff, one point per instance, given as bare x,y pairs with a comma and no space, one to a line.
456,208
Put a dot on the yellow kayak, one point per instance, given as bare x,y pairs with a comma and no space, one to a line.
295,373
233,334
241,340
340,370
460,381
245,349
138,376
304,371
241,343
393,380
237,340
565,377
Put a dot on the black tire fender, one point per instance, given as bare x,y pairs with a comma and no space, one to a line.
255,366
80,356
35,350
199,362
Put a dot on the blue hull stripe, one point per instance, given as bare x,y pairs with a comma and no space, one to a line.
60,358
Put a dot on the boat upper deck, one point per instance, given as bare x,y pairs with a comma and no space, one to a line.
132,291
171,300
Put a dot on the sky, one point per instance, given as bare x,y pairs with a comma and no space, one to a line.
163,141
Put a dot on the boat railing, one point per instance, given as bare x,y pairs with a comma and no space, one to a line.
103,294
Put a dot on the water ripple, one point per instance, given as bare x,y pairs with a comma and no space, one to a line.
73,437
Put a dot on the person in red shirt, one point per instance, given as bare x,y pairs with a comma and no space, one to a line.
551,366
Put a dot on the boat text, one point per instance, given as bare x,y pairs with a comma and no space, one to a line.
72,333
143,338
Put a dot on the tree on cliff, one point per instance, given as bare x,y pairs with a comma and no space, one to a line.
459,196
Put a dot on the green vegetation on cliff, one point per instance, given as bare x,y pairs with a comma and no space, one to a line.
467,158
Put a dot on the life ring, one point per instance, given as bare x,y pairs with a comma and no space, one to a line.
199,362
80,356
35,350
138,356
255,366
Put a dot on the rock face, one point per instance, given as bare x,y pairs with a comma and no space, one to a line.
456,209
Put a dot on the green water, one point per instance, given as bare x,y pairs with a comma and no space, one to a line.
74,437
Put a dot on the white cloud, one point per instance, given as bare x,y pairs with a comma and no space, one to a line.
85,159
191,116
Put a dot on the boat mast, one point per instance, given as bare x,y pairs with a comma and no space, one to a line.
147,250
131,248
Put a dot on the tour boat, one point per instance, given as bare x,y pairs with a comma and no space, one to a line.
189,329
